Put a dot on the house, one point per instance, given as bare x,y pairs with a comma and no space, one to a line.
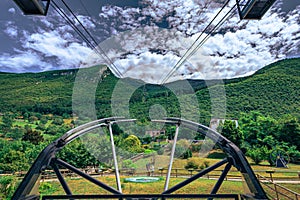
155,133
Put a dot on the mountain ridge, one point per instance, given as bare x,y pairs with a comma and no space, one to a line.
272,90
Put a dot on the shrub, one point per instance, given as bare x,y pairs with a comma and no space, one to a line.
160,151
206,163
257,154
201,166
7,186
128,164
191,164
216,155
156,147
179,151
47,188
148,151
187,154
196,147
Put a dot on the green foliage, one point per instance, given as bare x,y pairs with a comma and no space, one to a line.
195,147
204,165
267,108
15,133
6,124
146,139
191,164
187,154
7,186
179,151
160,151
182,149
148,151
257,154
272,91
51,92
13,161
132,144
293,153
231,131
128,164
264,134
17,155
77,155
56,130
289,131
156,147
48,188
58,120
217,155
33,136
32,119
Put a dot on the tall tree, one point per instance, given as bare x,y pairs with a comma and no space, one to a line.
33,136
289,131
231,131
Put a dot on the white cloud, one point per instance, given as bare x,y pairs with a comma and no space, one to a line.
147,52
11,31
12,10
24,62
46,49
242,48
86,21
52,44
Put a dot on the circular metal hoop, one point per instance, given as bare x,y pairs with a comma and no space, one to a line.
48,159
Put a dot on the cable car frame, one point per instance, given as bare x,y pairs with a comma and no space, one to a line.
253,9
47,159
33,7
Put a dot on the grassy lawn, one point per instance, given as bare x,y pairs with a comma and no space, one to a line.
162,161
201,186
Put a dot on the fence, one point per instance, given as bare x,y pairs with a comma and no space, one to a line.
276,191
176,172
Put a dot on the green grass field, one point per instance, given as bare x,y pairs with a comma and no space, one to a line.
201,186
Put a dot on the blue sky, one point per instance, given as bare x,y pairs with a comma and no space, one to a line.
145,37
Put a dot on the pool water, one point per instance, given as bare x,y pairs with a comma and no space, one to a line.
141,179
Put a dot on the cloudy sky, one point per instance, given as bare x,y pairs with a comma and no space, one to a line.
147,39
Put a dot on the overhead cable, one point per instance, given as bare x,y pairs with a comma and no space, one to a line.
95,42
70,22
196,44
93,45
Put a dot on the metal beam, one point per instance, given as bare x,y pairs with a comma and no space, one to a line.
86,176
115,158
61,179
221,179
201,173
33,7
171,158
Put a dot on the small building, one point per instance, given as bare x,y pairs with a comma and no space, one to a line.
215,122
155,133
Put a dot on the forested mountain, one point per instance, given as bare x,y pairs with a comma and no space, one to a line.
273,90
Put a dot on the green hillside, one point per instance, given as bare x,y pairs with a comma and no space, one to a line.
273,90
